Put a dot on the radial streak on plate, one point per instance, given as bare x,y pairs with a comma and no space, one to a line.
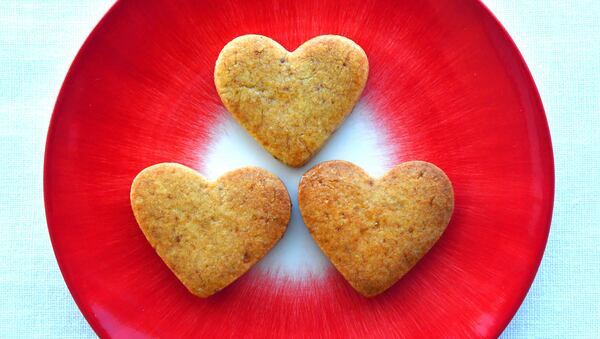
358,140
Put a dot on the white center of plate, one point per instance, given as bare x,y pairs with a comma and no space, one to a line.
358,140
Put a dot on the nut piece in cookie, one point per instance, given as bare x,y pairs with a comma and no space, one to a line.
375,230
291,102
209,233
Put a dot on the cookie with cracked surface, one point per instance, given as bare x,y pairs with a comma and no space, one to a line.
291,102
209,233
375,230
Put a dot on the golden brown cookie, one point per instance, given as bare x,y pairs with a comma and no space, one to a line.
375,230
291,102
209,233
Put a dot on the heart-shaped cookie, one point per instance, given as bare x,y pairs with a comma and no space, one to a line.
209,233
374,231
291,102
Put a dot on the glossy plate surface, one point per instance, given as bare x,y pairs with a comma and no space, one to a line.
446,85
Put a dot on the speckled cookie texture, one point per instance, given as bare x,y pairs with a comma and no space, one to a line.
375,230
291,102
209,233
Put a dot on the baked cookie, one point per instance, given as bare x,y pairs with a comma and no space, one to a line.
209,233
291,102
375,230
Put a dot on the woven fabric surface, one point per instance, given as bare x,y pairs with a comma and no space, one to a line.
560,41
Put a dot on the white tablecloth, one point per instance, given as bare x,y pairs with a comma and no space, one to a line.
560,41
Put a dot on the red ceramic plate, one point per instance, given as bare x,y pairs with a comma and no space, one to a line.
446,85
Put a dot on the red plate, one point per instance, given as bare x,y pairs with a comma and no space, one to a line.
446,85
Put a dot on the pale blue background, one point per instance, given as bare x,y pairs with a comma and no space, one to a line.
559,39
